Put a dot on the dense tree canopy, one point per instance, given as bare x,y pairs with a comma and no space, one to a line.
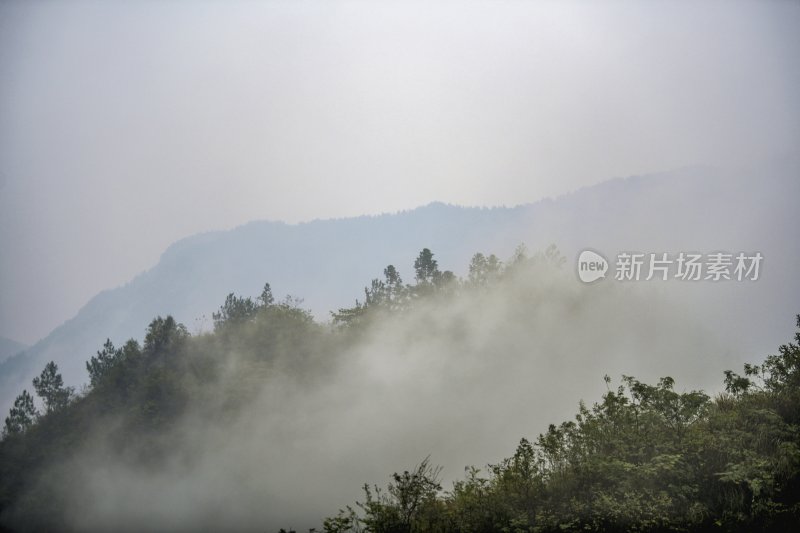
645,457
21,416
49,385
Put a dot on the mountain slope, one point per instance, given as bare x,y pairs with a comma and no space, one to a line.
329,261
9,347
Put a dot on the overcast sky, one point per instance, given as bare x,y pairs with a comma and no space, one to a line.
125,126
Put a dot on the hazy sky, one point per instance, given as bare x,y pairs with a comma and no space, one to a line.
125,126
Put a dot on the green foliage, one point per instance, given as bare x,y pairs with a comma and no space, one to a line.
644,458
426,267
408,505
347,520
21,416
483,270
389,294
50,388
164,335
349,316
235,310
98,366
266,297
394,283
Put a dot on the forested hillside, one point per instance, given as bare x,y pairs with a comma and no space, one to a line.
326,261
644,458
270,418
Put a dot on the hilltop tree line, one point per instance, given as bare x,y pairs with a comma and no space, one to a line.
137,391
113,366
644,458
391,294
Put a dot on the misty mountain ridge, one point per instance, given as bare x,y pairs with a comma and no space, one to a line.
9,347
328,262
223,431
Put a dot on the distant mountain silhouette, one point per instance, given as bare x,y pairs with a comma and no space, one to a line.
328,262
9,347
